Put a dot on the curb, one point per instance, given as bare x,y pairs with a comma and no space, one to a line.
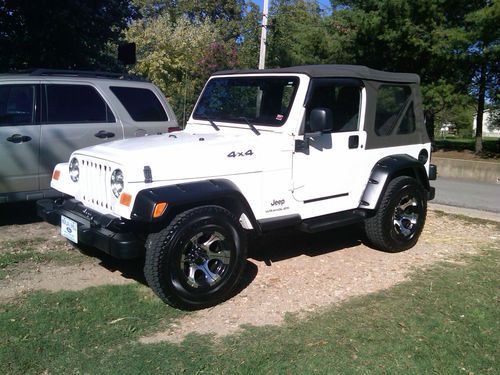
468,169
478,214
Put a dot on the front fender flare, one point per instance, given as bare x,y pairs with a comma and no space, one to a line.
188,195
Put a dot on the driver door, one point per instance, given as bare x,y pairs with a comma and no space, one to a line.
327,175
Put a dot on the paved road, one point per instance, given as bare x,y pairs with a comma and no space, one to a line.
468,194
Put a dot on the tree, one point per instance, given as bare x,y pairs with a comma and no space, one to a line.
299,34
61,33
248,42
452,45
178,56
478,41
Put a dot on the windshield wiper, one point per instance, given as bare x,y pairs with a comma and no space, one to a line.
214,125
254,129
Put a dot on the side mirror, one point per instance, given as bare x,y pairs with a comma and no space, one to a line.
321,120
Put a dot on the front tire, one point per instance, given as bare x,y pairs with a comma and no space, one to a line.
196,261
400,218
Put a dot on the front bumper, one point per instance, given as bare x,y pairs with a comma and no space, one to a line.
104,232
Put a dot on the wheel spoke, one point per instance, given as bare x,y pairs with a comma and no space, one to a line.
205,258
214,237
409,203
405,218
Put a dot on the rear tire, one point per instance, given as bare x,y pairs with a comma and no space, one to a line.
198,259
400,218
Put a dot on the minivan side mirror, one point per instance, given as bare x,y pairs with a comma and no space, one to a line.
321,120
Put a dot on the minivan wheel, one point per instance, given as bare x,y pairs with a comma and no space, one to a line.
400,218
198,259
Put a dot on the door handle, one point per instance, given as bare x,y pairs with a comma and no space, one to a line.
104,134
354,141
18,138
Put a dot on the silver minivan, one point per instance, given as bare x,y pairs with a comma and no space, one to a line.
47,114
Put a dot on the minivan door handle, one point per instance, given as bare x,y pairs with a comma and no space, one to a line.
18,138
104,134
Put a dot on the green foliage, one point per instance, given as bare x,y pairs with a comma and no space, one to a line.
249,40
491,145
299,34
61,34
170,53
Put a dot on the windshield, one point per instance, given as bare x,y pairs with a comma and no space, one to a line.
259,100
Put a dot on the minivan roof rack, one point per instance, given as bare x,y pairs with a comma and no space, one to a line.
79,73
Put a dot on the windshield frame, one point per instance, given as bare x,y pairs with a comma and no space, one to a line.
273,124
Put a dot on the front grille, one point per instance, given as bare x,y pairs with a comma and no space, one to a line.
95,180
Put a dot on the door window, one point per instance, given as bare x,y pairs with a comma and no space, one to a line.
76,104
141,104
17,104
395,113
341,97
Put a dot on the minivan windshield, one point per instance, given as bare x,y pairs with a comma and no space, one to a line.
257,100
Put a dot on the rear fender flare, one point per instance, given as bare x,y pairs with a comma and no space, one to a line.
384,171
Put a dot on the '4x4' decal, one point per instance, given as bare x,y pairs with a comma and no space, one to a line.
235,154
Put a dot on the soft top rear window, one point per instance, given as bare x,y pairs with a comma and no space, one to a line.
258,100
141,104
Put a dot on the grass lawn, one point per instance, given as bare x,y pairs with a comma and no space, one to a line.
490,145
445,320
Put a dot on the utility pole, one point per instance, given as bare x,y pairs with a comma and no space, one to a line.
263,35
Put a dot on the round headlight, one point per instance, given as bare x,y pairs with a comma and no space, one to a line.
117,182
74,170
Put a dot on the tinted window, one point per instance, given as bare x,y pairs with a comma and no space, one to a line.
395,113
260,100
342,97
141,104
16,104
76,104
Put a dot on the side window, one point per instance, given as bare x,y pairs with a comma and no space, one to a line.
76,104
395,113
141,104
342,97
17,104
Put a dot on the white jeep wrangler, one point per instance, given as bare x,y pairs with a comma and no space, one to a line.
311,147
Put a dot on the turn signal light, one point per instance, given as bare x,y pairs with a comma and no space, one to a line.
56,174
159,209
125,199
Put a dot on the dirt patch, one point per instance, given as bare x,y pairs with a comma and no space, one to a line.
55,278
317,279
26,231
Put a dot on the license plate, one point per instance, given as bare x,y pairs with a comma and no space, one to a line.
69,229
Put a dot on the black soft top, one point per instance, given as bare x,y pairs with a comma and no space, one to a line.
322,71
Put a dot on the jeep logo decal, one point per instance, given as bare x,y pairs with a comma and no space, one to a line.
280,202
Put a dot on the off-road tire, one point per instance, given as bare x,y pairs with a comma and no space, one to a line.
184,271
391,229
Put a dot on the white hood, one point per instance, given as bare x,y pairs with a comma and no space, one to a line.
183,155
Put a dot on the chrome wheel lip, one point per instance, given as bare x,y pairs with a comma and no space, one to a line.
406,216
205,259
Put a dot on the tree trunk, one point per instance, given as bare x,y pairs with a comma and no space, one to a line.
429,124
480,109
